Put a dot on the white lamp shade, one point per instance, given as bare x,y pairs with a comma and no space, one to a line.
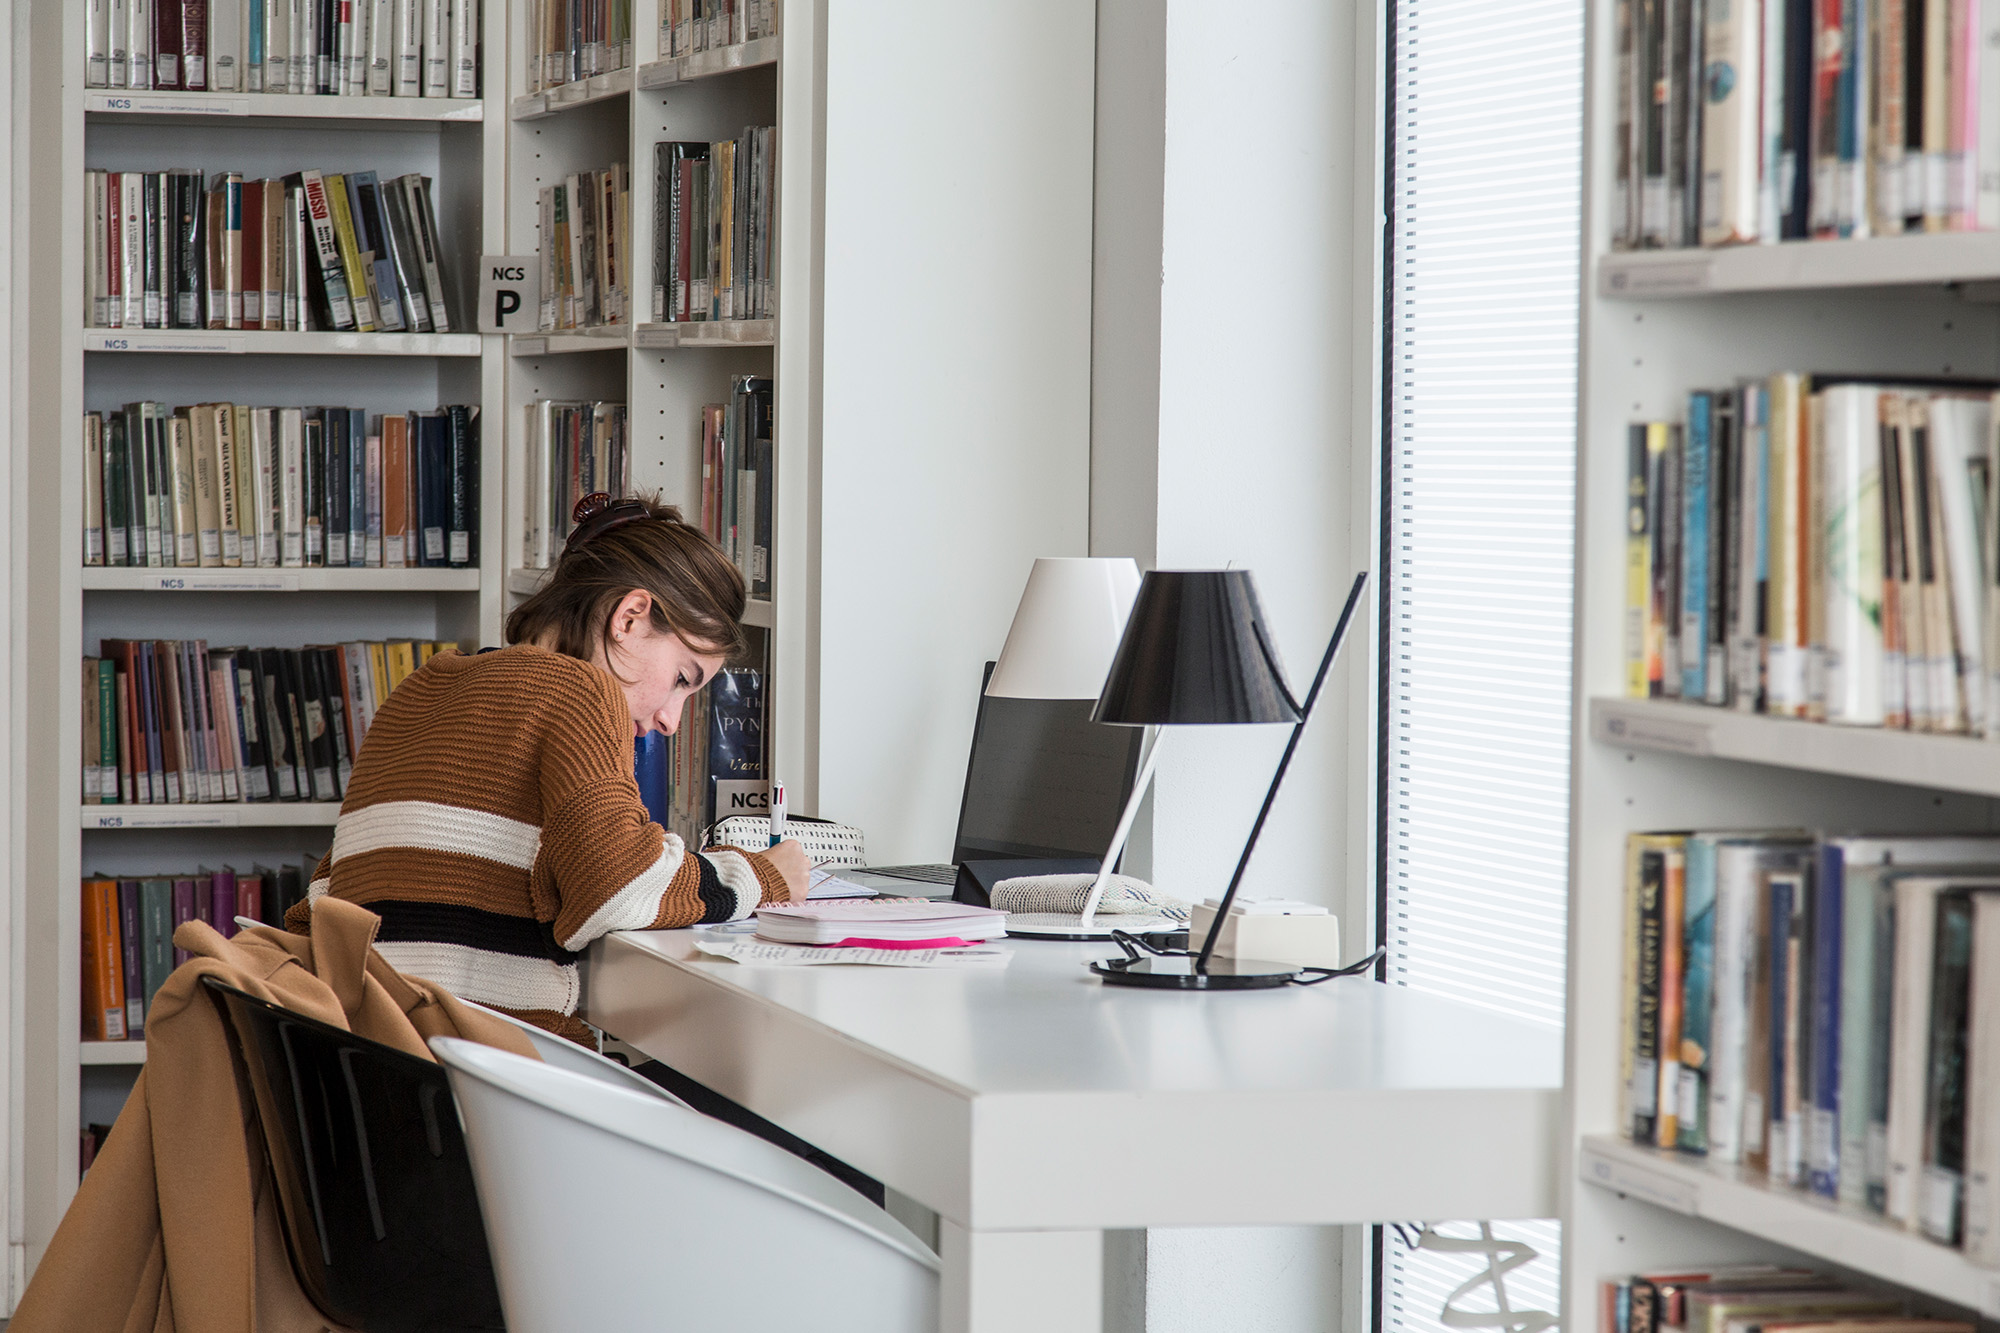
1066,629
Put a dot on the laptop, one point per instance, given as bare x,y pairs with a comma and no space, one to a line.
1044,783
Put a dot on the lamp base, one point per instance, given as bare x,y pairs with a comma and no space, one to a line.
1175,973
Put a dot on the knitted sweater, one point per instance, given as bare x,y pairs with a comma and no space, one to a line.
494,824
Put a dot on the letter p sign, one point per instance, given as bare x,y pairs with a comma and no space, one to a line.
509,290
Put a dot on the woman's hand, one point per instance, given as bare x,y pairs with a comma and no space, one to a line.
790,860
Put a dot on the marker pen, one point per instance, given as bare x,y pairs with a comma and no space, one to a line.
777,812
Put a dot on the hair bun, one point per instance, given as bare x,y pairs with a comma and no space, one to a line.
590,505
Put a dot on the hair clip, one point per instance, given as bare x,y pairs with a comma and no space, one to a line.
597,513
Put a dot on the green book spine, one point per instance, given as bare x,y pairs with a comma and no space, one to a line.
117,491
156,912
107,731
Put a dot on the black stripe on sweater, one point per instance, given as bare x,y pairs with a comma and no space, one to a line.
718,900
476,928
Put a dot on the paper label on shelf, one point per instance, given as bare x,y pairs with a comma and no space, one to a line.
1937,1203
1683,1196
139,341
246,582
140,104
1623,276
1652,733
141,817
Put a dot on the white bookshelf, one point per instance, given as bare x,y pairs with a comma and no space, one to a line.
665,373
460,144
111,1052
1656,325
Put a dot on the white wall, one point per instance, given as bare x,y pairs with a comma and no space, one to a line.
954,437
1236,348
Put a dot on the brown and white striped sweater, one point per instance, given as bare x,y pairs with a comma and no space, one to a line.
494,825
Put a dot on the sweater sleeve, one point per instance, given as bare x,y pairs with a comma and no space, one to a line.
603,864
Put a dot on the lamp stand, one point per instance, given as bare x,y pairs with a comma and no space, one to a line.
1203,971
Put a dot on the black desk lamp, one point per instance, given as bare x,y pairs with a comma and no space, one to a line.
1196,651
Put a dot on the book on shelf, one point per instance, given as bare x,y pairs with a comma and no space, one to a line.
586,250
574,448
176,722
738,469
1744,1298
313,250
688,26
1788,120
572,40
712,240
344,48
129,924
231,486
716,753
1815,546
1811,1007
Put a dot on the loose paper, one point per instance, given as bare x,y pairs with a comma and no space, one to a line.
762,953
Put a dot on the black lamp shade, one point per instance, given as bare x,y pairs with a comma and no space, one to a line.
1195,652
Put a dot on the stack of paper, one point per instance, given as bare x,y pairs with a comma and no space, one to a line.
902,921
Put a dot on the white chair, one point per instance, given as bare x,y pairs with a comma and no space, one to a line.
566,1054
610,1210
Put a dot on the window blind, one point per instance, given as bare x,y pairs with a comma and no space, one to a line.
1484,185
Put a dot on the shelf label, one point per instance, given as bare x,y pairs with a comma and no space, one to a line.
509,287
660,73
530,346
221,583
655,336
146,340
139,104
1650,733
1629,278
1682,1196
150,819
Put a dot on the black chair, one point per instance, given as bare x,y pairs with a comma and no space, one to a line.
373,1183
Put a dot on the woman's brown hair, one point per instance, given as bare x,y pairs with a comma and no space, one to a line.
621,546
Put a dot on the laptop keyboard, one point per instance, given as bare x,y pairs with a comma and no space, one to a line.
941,874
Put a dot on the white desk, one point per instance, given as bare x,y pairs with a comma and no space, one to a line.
1033,1108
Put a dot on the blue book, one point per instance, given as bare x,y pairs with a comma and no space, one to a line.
1779,940
649,767
253,72
1697,993
1697,476
432,455
1823,985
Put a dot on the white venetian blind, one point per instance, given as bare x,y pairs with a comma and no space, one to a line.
1485,159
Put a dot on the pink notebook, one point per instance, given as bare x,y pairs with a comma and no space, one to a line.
833,920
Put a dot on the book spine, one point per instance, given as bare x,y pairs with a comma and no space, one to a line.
349,249
1940,1197
1981,1207
325,250
103,963
215,271
463,511
381,47
437,48
1823,993
409,48
194,44
131,934
167,18
251,195
1644,1093
226,45
1697,995
110,790
291,474
1696,479
93,488
465,48
425,220
132,245
1782,889
232,250
1855,1031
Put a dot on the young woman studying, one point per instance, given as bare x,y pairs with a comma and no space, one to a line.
493,822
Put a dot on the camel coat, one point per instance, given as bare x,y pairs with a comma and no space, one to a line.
175,1229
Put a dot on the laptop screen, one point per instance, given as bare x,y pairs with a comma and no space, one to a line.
1043,780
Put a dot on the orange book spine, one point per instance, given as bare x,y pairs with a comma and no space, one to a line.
103,963
395,490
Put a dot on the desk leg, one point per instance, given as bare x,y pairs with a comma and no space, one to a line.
1010,1281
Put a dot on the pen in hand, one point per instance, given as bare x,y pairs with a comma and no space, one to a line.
777,812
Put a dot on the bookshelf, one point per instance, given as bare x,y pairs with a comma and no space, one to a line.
460,144
1656,325
663,372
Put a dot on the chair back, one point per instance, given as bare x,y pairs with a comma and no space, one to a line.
610,1209
373,1184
